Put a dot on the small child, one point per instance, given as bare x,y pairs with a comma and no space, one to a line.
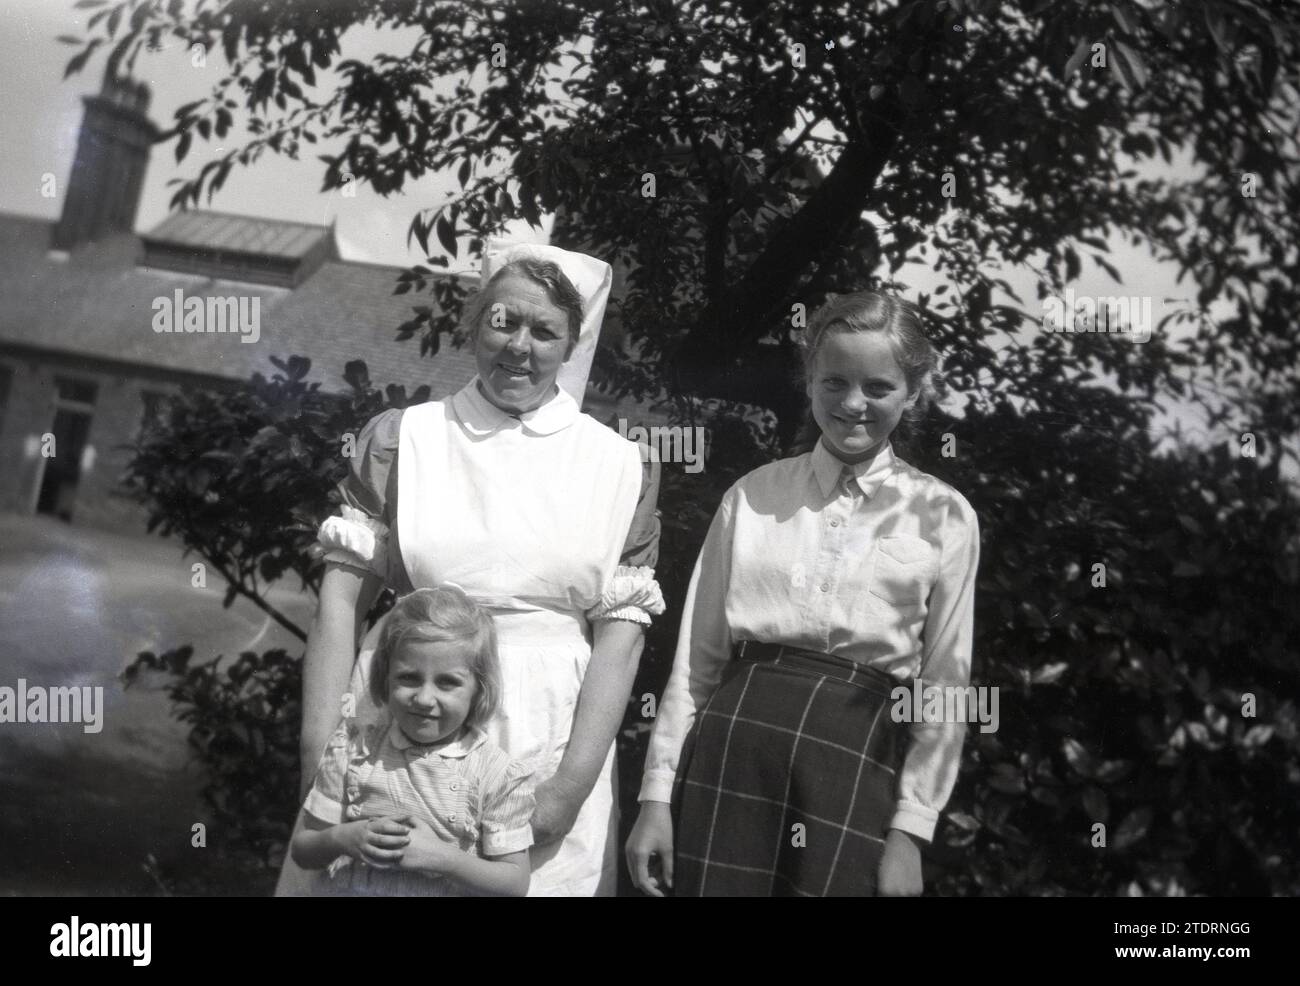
422,803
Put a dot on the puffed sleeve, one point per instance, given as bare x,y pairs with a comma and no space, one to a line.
632,593
507,811
325,799
358,534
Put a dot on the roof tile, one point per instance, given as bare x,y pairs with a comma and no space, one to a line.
100,302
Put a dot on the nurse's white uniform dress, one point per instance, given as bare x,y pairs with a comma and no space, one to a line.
548,519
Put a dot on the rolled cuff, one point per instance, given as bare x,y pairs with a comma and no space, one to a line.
354,538
657,785
915,819
507,841
632,594
324,808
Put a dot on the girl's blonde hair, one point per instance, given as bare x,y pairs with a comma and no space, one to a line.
900,322
444,613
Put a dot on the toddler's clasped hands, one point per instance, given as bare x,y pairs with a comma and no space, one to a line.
378,842
402,842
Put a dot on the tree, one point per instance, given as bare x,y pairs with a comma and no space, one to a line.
742,159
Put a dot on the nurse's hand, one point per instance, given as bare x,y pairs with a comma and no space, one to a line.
556,810
900,866
649,849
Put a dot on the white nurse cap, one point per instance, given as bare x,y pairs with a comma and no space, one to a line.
590,276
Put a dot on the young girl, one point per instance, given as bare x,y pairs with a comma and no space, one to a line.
825,581
422,803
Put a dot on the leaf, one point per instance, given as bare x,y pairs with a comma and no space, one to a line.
1074,61
1049,674
1078,757
78,62
1133,828
1034,616
1214,21
1109,268
1135,64
1120,69
1257,736
1071,264
1268,71
1114,770
299,367
1007,778
446,235
1096,804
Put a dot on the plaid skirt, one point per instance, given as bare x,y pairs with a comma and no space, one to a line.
788,780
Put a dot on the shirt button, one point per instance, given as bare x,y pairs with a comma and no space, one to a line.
354,811
835,523
454,786
826,587
451,817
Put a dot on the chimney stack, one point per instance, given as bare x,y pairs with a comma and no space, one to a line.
108,171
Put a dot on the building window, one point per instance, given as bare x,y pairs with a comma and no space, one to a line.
6,381
151,413
76,391
74,407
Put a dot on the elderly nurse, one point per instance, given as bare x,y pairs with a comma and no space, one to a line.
536,510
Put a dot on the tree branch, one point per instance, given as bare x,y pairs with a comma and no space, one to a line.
256,598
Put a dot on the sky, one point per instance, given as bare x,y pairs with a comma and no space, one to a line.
42,114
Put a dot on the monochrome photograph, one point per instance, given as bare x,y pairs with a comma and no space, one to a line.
710,448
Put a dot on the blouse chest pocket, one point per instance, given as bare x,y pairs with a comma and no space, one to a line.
904,570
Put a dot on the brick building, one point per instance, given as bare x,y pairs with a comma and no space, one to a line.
81,361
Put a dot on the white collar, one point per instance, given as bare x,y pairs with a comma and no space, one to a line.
481,417
869,473
469,740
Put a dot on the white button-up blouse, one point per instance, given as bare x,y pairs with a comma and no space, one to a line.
874,562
